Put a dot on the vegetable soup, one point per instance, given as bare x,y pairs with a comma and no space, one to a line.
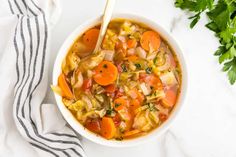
125,90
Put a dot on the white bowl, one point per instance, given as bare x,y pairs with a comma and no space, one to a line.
93,137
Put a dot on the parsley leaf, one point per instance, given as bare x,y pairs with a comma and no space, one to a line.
148,70
124,68
138,66
222,21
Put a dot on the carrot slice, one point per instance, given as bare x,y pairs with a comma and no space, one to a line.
134,104
66,91
105,73
108,128
154,82
131,133
150,40
120,103
132,58
90,38
131,43
170,98
93,125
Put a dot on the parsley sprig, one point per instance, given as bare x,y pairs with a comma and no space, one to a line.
222,21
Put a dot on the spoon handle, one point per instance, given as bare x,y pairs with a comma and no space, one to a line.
105,21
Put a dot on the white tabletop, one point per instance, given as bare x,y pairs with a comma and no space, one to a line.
206,126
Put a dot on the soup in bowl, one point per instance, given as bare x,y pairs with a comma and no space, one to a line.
128,91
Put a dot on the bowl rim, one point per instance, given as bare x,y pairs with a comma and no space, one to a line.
135,141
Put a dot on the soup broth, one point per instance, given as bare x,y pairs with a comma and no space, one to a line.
125,90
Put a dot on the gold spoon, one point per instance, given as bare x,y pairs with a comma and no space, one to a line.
97,56
105,21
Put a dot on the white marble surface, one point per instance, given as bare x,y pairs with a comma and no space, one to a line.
206,127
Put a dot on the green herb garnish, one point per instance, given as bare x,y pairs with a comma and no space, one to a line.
138,66
124,68
155,60
117,105
104,66
222,21
110,111
119,138
148,70
151,107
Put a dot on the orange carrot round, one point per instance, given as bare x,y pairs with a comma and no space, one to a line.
120,103
105,73
66,91
90,38
150,40
131,43
108,128
170,98
132,58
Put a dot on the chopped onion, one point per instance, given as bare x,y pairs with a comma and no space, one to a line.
152,55
77,80
154,116
168,79
156,95
132,66
122,38
167,64
145,89
91,114
162,109
130,51
89,105
142,108
124,114
132,94
141,52
89,73
122,126
109,55
101,113
147,112
139,121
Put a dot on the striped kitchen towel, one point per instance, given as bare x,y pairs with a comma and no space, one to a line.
28,127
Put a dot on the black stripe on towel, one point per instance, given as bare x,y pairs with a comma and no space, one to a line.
40,79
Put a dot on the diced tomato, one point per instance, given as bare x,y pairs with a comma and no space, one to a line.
119,93
142,77
110,88
170,98
87,84
121,50
135,94
121,45
154,82
163,117
116,120
119,67
93,125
